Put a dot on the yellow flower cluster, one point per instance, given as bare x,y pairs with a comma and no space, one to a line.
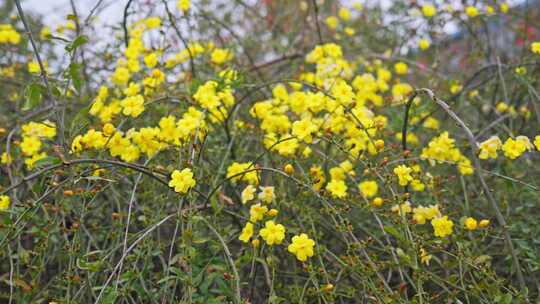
422,214
243,172
148,140
512,148
196,49
442,149
344,14
471,223
8,34
216,99
272,233
31,144
337,186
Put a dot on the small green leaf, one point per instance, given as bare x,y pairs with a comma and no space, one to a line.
80,40
74,75
394,232
34,95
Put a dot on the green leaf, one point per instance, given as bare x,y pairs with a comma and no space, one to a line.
394,232
34,95
80,40
49,160
74,75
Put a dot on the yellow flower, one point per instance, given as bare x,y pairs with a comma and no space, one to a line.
8,34
33,67
401,68
30,162
537,142
182,181
267,194
289,169
4,202
5,159
520,70
422,214
470,223
483,223
273,233
183,5
133,105
424,257
431,123
303,129
236,172
332,22
442,226
504,7
471,11
317,177
404,174
535,47
248,194
121,76
455,87
153,22
108,129
151,60
344,13
247,232
301,246
30,145
514,148
368,188
377,202
502,107
417,185
257,212
337,188
403,208
429,10
400,91
220,56
423,44
489,147
272,212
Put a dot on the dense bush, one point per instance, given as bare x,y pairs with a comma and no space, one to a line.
271,152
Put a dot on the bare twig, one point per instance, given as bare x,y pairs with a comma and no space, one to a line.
179,34
478,171
317,25
124,22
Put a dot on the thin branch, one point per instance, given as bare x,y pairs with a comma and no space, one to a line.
478,171
179,34
35,49
124,22
317,25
